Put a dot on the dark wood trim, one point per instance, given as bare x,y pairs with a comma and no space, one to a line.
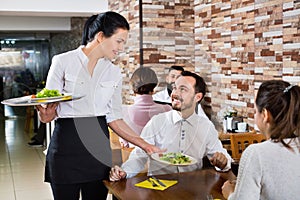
141,33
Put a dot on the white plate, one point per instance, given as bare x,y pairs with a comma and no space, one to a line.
28,101
50,99
156,156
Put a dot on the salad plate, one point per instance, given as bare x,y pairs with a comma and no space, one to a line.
175,159
29,101
64,97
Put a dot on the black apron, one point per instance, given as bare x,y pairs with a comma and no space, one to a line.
79,151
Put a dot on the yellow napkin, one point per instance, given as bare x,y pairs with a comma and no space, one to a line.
147,184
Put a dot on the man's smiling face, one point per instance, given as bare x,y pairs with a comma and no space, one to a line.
183,94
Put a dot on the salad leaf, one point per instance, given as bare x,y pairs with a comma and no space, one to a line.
175,158
48,93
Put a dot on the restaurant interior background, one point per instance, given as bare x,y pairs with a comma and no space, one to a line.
234,45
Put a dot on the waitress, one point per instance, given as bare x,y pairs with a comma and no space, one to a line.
79,154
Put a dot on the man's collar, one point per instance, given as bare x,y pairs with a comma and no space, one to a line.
176,115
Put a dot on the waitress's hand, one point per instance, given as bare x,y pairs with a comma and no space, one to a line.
47,112
150,149
116,173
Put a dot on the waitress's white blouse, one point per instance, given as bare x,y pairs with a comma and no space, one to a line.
102,91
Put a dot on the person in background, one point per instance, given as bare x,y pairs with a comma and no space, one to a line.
79,154
270,170
179,130
38,139
17,91
28,86
28,82
143,82
163,96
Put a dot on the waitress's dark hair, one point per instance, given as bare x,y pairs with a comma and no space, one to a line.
107,22
281,99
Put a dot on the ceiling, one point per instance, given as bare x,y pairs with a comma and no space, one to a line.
52,8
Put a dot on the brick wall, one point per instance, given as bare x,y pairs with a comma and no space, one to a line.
241,43
234,45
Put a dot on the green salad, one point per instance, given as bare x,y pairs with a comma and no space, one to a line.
175,158
47,93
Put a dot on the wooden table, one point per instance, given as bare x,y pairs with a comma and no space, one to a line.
191,185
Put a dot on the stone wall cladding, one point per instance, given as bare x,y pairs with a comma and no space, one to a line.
239,44
234,45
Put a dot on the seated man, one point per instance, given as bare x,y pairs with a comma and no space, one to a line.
179,130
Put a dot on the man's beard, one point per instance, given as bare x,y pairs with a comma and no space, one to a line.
176,108
182,106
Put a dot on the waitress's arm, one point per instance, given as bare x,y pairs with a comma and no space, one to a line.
55,80
124,131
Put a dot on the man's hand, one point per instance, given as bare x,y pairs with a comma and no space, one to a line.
219,160
47,112
116,173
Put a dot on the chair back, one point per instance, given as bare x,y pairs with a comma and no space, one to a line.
125,152
240,141
116,145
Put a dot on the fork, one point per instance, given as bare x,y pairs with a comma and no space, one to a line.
209,197
158,181
152,182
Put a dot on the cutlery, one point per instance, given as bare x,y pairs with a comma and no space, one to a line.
158,181
152,182
209,197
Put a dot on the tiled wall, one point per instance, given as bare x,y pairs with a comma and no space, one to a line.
241,43
130,59
234,45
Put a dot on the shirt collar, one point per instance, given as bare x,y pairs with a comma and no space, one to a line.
145,98
177,118
84,59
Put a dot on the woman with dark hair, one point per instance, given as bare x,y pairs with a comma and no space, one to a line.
79,154
143,81
270,170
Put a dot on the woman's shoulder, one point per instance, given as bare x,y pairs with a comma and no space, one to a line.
259,146
262,149
66,56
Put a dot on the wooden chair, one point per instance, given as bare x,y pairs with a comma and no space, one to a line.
125,151
116,146
114,140
240,141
